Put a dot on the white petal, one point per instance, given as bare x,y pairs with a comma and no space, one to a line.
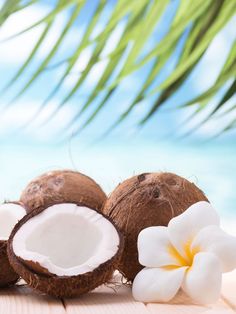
184,227
215,240
202,281
155,249
157,284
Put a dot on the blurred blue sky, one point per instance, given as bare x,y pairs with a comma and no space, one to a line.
127,150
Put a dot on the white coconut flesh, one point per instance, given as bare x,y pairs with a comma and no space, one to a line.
67,240
10,214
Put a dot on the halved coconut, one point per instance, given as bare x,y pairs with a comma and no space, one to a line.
65,250
10,213
62,186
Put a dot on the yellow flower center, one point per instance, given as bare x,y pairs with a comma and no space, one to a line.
187,260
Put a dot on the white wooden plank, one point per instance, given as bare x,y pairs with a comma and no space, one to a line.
22,300
229,289
104,300
184,305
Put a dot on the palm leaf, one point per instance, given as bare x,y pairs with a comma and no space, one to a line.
51,54
153,73
227,11
63,4
9,7
230,92
139,14
73,59
228,71
195,36
158,65
176,30
25,5
229,127
29,59
199,21
202,24
222,79
120,11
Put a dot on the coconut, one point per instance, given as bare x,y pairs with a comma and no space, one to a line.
10,213
65,250
148,199
62,186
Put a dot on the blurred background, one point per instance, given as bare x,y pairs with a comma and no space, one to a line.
116,88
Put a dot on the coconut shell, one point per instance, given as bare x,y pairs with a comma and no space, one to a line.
8,276
148,199
38,278
62,186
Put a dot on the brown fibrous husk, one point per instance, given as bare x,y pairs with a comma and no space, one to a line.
38,278
62,186
148,199
8,276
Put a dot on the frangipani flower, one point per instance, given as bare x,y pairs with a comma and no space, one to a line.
191,253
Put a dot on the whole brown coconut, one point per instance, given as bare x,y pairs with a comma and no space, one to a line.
9,212
148,199
62,186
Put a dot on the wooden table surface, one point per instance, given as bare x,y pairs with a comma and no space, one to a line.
105,300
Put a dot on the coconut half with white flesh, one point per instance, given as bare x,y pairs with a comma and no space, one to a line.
10,214
65,250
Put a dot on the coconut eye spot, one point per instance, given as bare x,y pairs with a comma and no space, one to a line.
67,240
156,193
56,183
171,181
34,188
142,177
10,214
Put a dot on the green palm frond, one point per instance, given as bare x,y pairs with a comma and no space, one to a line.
195,23
192,53
8,8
